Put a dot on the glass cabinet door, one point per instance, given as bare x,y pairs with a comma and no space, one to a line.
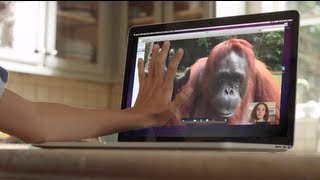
149,12
72,41
144,12
187,10
77,31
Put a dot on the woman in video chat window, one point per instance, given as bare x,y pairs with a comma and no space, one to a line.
259,114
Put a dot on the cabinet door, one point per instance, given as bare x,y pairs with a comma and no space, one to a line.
75,36
144,12
21,32
188,10
150,12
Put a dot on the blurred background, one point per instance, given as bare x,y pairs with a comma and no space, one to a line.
74,52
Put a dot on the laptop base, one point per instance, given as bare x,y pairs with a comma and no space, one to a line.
165,145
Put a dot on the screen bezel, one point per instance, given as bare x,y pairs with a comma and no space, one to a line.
288,127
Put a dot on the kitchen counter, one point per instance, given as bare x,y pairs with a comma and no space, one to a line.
26,162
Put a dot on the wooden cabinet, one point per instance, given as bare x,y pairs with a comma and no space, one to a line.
84,39
56,38
144,12
148,12
187,10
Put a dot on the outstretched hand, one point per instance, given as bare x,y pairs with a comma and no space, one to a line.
155,90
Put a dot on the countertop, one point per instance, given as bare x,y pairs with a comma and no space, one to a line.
21,162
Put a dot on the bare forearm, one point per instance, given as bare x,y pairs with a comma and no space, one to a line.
62,122
15,114
42,121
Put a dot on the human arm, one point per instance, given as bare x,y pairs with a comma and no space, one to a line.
43,121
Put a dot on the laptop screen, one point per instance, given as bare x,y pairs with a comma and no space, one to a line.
242,70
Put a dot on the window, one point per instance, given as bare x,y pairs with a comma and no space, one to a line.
307,132
230,8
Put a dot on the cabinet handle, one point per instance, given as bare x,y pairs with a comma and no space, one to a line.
46,52
41,50
51,52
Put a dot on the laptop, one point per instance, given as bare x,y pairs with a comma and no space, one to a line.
243,72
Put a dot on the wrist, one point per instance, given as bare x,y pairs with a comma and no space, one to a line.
140,118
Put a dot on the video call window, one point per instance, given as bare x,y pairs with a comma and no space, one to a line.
229,74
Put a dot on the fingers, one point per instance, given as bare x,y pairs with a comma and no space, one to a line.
158,58
157,63
142,75
161,59
155,51
164,50
172,69
180,99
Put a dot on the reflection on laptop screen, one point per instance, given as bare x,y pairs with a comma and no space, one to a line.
240,74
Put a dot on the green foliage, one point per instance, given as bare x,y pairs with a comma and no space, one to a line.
208,43
267,46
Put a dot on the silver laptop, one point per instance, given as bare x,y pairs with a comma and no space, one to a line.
243,72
